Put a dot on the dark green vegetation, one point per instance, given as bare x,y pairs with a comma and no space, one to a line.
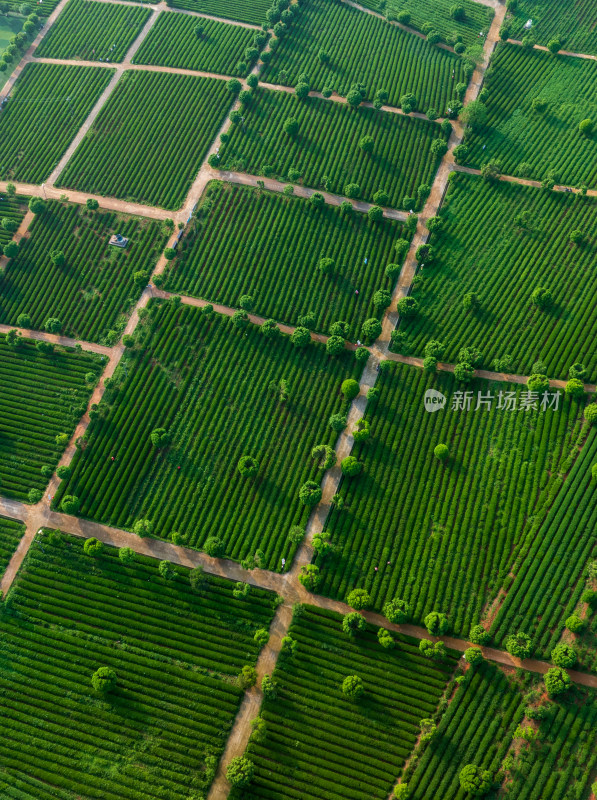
13,209
43,395
173,42
444,534
321,744
11,533
326,153
221,393
572,23
542,140
359,47
485,725
425,15
47,106
150,138
253,12
92,292
250,242
159,733
557,557
501,241
93,31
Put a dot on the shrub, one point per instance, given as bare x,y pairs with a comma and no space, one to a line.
407,307
370,330
93,547
69,504
366,144
436,623
126,555
143,527
338,422
464,373
359,599
519,645
473,656
167,571
586,127
261,636
542,298
474,780
591,414
396,610
291,126
441,452
240,771
557,681
309,577
350,388
353,687
334,345
375,213
35,495
478,635
248,466
104,680
53,325
310,493
574,623
352,190
353,623
385,638
214,546
351,466
564,655
159,437
538,382
300,337
575,388
36,205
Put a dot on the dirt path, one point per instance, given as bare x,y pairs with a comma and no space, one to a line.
524,181
568,53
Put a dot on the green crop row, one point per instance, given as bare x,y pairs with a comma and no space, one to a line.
13,209
319,744
93,31
326,154
535,104
90,293
557,557
436,15
47,106
501,242
250,242
173,42
150,138
253,13
11,533
220,393
160,732
362,48
443,534
572,23
42,395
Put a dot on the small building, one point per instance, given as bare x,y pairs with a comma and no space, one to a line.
528,24
118,240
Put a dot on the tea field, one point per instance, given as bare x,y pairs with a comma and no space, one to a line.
572,23
47,106
93,287
314,741
443,535
325,152
175,651
174,42
251,13
150,138
250,242
337,46
93,31
44,394
13,209
185,377
536,102
11,532
501,242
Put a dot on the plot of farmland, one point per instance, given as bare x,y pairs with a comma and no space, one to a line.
536,103
572,23
249,242
253,12
337,46
502,241
11,532
150,138
47,106
326,153
94,287
175,653
443,535
221,393
320,744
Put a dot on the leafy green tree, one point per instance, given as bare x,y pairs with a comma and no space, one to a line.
441,452
350,388
248,466
554,46
270,329
34,496
367,144
325,455
564,655
353,687
326,265
542,298
474,780
309,577
351,466
464,372
92,204
557,681
352,190
591,413
354,98
352,623
436,623
407,307
12,338
126,555
104,680
69,504
362,430
52,325
586,127
261,636
408,102
370,330
143,527
291,126
475,114
302,90
214,547
382,298
167,571
491,170
338,422
11,250
375,213
240,319
300,337
36,205
575,388
396,610
93,547
473,656
359,599
575,624
240,772
385,638
478,635
159,437
335,345
519,645
310,494
538,383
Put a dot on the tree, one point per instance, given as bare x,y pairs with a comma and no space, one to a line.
240,319
464,372
69,504
354,98
470,301
270,329
408,102
351,466
576,237
234,86
586,127
382,298
291,126
554,46
366,144
380,99
475,781
167,571
300,337
538,382
143,527
519,645
126,555
309,577
53,325
63,472
34,496
396,610
385,638
575,388
10,249
326,265
104,680
12,338
542,298
352,623
214,547
159,437
353,687
370,330
350,388
93,547
240,771
352,190
457,12
424,253
248,466
334,345
268,687
557,681
439,148
478,635
338,422
564,655
310,494
591,413
401,791
246,302
302,90
92,204
36,205
441,452
491,170
407,307
473,656
325,455
574,623
436,623
375,213
475,114
359,599
362,430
